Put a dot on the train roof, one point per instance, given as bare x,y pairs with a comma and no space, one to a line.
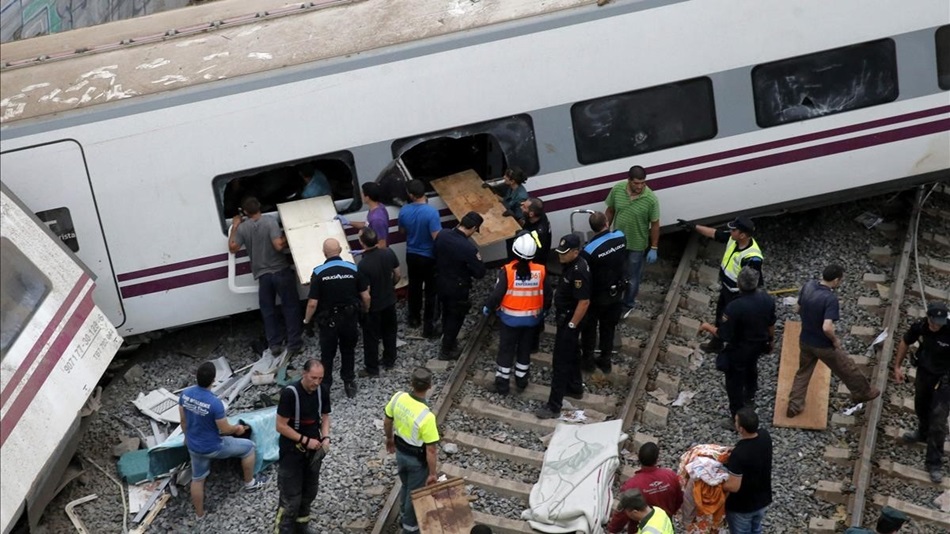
223,40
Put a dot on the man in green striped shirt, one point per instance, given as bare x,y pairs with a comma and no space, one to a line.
633,209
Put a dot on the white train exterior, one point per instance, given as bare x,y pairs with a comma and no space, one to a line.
55,345
731,106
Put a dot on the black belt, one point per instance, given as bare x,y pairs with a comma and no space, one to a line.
412,450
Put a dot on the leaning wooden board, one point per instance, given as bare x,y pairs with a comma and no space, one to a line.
463,192
815,415
307,224
443,508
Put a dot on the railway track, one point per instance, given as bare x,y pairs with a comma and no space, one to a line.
886,472
501,443
522,436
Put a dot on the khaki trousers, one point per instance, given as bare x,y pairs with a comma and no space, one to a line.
841,366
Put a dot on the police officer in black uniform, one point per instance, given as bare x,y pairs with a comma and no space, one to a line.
606,256
747,328
457,262
336,289
932,386
571,300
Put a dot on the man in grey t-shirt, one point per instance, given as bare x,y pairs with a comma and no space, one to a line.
270,266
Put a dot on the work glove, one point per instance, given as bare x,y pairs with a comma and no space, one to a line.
486,185
651,256
343,220
686,225
507,213
485,311
357,252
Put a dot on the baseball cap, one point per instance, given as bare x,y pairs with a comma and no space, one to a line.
568,243
743,224
937,312
472,220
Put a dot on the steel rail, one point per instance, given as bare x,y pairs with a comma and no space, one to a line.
861,478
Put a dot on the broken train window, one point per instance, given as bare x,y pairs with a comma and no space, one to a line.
645,120
489,148
24,289
331,174
825,83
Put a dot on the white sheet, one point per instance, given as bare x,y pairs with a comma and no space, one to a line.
573,493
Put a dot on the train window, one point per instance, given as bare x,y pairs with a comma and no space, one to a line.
943,57
24,288
645,120
488,148
825,83
333,174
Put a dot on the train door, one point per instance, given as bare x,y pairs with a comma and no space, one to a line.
53,181
55,344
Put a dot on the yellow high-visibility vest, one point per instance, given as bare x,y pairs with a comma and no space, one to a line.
732,260
412,420
659,523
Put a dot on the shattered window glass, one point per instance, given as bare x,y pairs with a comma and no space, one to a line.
825,83
24,287
943,57
646,120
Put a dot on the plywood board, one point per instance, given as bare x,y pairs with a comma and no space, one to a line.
307,224
815,416
463,192
443,508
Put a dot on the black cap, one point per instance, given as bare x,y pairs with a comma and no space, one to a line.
891,519
937,312
472,220
743,224
568,243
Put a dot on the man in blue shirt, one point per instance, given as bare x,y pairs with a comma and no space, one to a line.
420,222
208,436
818,307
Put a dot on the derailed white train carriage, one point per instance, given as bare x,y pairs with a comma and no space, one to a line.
55,345
134,149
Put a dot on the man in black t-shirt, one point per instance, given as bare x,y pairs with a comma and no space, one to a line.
932,385
380,267
750,475
336,292
303,422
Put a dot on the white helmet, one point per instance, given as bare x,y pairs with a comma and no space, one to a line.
525,247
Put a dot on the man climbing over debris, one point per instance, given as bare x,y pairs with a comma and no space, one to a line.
209,436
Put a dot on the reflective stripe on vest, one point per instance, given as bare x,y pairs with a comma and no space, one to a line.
732,260
524,297
404,405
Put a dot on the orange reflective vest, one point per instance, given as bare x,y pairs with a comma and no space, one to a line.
524,299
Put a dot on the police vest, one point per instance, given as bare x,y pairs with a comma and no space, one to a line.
732,263
524,299
413,423
659,523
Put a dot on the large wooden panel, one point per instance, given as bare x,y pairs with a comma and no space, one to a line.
307,224
463,192
815,416
443,508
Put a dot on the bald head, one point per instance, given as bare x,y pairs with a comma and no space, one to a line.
598,221
331,247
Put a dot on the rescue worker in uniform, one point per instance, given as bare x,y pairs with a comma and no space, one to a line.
536,221
336,289
932,385
606,256
571,300
457,262
748,329
411,433
741,250
303,422
644,518
521,296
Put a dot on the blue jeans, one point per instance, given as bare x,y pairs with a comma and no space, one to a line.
635,259
413,472
745,523
284,285
231,447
